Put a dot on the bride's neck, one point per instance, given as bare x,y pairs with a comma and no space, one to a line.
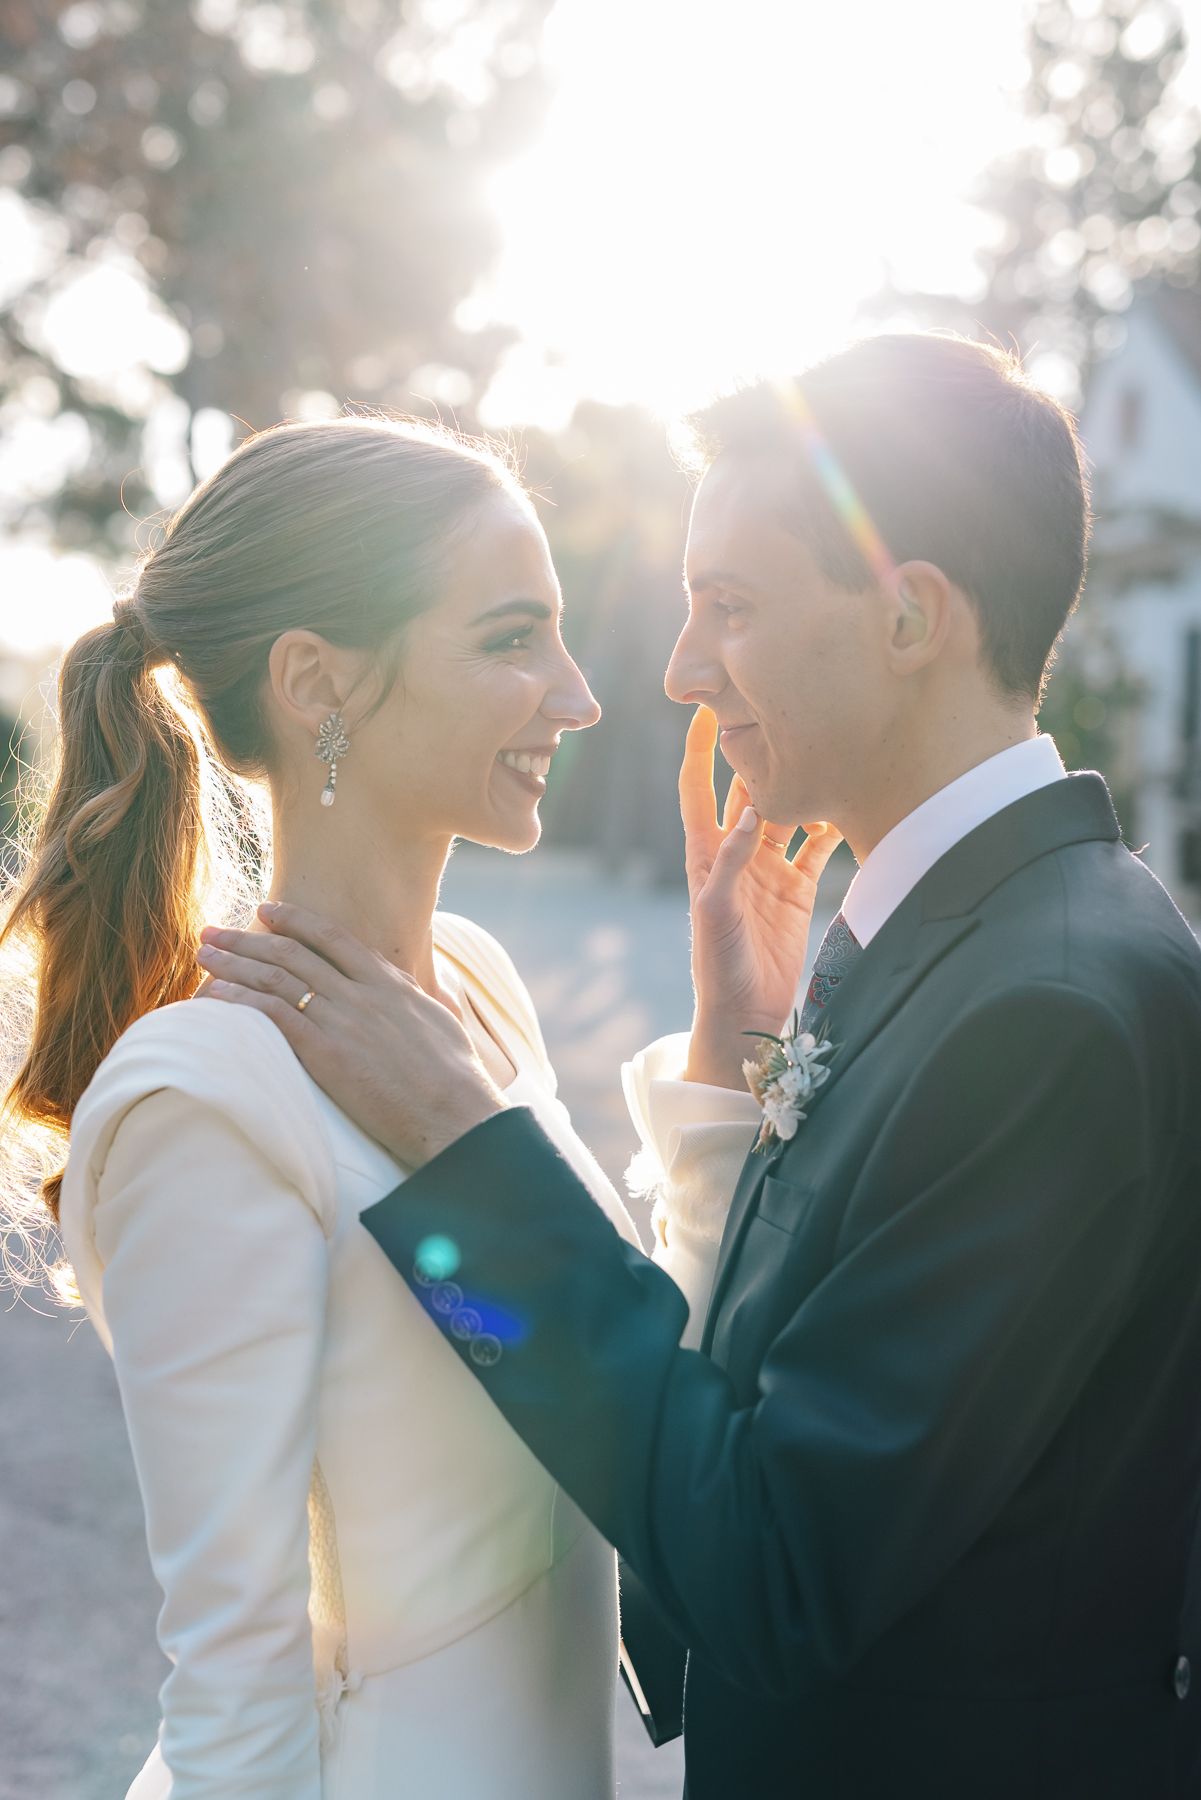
384,893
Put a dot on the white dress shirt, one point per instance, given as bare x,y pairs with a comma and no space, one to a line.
911,849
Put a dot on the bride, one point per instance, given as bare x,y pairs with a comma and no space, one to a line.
369,1584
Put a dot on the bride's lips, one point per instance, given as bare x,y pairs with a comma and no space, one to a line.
732,734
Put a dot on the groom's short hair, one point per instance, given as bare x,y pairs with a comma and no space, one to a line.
958,459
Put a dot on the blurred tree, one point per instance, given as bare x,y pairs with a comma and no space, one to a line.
1104,191
1089,711
263,209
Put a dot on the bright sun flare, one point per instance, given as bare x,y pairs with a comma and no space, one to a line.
719,186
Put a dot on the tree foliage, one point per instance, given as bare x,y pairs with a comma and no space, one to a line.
1103,191
299,185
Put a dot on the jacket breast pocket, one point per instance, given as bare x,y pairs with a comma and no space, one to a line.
785,1204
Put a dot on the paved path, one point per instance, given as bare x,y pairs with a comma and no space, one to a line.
79,1669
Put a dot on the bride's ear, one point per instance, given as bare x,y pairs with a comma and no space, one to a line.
310,678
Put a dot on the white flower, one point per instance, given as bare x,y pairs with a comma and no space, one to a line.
781,1115
795,1083
783,1078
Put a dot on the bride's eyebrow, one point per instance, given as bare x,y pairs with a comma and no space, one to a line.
524,609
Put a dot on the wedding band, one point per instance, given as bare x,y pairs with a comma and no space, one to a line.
305,998
775,844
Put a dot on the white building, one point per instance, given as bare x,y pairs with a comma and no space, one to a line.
1142,431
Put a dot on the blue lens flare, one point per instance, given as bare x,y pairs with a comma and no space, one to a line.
438,1258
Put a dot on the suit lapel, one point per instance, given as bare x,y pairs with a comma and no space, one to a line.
933,918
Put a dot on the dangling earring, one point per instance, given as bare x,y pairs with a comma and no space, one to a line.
332,742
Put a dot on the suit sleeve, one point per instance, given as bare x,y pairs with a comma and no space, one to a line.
214,1293
1002,1214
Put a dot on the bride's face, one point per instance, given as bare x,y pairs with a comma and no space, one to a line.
463,745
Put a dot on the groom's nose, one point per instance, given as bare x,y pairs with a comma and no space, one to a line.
693,674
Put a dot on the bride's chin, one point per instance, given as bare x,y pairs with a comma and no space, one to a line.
513,838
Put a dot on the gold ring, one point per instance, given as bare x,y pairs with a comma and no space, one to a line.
776,845
305,998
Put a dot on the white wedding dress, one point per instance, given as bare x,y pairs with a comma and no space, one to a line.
371,1588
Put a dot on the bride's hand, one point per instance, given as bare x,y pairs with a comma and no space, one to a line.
398,1061
751,912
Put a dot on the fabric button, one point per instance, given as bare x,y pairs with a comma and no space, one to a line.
486,1350
1182,1677
447,1297
466,1322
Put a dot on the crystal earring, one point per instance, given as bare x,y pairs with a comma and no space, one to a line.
332,742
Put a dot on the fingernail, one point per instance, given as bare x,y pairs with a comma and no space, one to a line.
205,953
749,819
214,934
268,908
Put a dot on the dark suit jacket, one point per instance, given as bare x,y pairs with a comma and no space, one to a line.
923,1509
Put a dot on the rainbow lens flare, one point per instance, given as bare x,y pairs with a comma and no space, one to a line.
837,485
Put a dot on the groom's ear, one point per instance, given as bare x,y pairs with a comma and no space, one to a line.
918,615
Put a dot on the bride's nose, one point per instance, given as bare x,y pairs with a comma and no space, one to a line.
570,702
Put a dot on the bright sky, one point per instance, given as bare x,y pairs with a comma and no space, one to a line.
718,185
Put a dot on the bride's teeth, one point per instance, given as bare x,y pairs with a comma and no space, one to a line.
524,764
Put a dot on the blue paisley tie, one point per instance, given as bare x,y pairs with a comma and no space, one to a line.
840,949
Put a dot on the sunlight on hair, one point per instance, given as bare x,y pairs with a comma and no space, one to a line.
234,873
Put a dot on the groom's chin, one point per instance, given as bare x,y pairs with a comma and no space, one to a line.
779,808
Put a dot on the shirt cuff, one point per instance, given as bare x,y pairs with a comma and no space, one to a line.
694,1139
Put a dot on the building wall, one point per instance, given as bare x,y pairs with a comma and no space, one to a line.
1142,432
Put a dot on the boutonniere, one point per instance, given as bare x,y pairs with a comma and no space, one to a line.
783,1077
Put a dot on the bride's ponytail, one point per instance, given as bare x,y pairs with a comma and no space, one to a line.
108,905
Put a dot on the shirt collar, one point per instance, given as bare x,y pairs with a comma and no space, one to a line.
911,849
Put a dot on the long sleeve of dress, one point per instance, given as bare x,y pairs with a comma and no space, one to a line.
214,1291
211,1266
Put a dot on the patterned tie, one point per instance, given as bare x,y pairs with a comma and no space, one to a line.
839,951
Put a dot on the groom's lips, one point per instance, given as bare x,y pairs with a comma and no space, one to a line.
731,732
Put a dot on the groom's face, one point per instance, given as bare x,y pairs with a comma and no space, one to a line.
790,662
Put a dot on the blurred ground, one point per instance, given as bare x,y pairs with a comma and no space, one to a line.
79,1669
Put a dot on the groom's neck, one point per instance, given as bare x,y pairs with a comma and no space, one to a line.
917,762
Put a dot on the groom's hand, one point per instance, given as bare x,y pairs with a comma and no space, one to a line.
751,911
398,1062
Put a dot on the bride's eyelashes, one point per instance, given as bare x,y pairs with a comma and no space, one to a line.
512,640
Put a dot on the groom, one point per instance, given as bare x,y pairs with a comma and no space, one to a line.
922,1508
